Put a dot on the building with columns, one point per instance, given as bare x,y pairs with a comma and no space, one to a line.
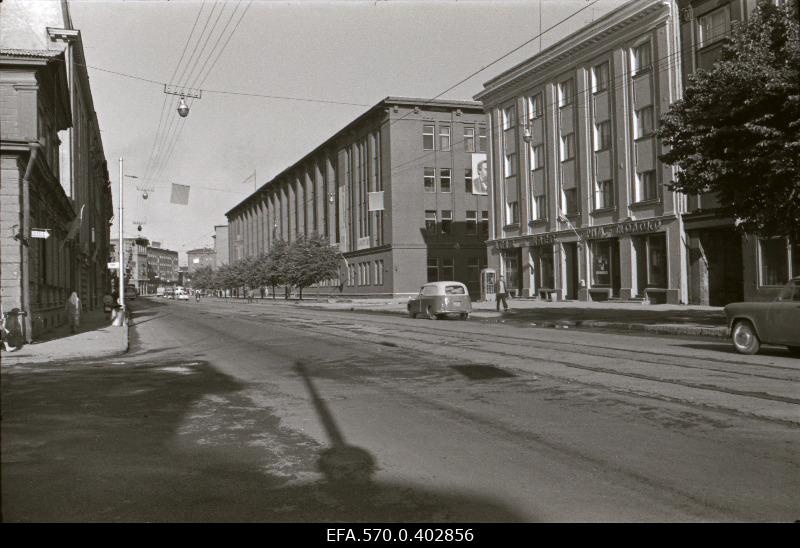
393,191
580,207
54,179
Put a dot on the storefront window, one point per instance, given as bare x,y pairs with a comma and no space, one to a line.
657,261
433,270
543,261
601,263
774,262
511,261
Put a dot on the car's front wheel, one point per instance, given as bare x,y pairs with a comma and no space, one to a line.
794,350
431,316
411,314
744,338
465,315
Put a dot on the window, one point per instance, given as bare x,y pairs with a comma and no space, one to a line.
713,26
567,147
657,261
774,261
469,139
535,105
430,221
447,271
604,194
471,225
430,179
447,221
571,201
468,181
601,263
640,58
511,164
482,139
646,186
600,77
444,138
433,269
644,122
510,117
485,224
444,179
566,92
537,156
427,137
602,136
539,207
512,212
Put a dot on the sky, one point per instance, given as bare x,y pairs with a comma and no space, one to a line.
355,52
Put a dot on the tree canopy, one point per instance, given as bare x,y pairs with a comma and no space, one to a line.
736,132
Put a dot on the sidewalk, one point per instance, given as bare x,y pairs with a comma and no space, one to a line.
97,338
664,319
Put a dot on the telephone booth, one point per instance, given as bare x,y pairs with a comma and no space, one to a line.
488,281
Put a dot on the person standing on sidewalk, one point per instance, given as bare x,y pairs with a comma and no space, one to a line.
502,293
73,309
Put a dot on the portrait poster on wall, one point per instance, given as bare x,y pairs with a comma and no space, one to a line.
480,174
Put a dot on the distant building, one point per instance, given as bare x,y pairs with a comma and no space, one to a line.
54,179
136,264
221,245
399,191
162,267
198,258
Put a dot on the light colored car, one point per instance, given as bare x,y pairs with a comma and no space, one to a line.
181,296
774,322
436,300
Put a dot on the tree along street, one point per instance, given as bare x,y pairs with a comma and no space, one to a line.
225,411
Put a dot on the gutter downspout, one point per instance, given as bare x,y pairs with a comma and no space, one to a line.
26,230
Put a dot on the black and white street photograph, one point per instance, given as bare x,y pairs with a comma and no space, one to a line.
400,271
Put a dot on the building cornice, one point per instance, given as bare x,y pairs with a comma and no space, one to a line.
575,48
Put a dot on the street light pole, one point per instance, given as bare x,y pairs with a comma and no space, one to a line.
121,250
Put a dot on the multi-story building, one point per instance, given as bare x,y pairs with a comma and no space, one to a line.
136,264
54,175
221,245
580,207
401,190
724,264
162,266
198,258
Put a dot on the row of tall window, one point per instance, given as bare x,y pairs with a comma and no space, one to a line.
429,138
365,273
442,222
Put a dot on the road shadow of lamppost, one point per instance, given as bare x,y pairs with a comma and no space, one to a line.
341,464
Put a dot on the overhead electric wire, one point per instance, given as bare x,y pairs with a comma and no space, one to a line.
214,47
225,45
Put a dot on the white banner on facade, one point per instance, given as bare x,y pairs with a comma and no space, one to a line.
376,201
480,174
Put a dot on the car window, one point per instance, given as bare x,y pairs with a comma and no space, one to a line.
429,290
786,293
454,290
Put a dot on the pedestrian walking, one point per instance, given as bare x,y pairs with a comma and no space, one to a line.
73,310
502,293
9,331
250,295
197,296
108,302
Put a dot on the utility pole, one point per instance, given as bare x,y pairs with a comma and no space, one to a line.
121,250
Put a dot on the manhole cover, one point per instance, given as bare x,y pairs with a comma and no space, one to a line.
482,372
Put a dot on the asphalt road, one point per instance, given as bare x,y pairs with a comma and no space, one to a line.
270,412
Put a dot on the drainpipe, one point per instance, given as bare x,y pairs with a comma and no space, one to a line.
26,231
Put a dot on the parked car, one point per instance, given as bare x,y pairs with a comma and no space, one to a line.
436,300
774,322
130,293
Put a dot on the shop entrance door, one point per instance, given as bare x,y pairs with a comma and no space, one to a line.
571,268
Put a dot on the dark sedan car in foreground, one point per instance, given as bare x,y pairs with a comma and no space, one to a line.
777,322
